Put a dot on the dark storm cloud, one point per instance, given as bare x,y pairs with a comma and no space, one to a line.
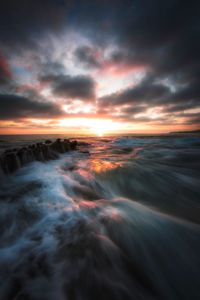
21,22
161,35
151,92
82,87
164,33
193,120
144,93
181,107
87,56
17,107
51,67
5,73
189,92
132,110
145,28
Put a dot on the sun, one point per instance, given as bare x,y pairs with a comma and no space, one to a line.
100,127
100,132
103,127
91,126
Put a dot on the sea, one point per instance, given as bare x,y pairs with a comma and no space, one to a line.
117,219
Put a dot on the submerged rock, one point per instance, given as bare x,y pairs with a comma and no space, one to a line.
84,144
85,152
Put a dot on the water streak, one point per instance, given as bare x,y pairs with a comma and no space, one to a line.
120,223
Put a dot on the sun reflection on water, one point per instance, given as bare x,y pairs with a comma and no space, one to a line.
100,166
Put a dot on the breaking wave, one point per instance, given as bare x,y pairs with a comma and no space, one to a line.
120,222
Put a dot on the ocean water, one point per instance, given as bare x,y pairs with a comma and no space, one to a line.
120,222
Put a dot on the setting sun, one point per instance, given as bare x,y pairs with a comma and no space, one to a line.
97,127
100,132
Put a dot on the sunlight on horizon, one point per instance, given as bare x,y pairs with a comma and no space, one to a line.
98,127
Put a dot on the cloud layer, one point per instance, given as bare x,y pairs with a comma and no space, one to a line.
19,107
130,61
82,87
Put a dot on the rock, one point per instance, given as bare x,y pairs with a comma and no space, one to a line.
33,146
25,155
66,144
38,154
13,159
85,152
8,151
47,152
58,146
10,163
73,145
1,168
83,144
29,155
20,154
48,142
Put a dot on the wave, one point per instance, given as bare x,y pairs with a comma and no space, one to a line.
163,140
101,226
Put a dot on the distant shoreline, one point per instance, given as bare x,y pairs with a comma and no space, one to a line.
170,134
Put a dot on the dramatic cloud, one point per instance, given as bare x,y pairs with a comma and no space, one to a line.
22,23
145,92
5,73
88,56
17,107
127,60
82,87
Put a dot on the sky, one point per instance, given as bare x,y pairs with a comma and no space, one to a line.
96,67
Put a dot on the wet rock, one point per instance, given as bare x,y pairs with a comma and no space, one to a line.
25,155
10,163
85,152
38,154
51,154
73,145
83,144
22,156
66,145
48,142
47,153
58,146
13,159
30,155
1,168
8,151
33,146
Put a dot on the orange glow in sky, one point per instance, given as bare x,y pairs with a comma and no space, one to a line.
97,76
86,126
